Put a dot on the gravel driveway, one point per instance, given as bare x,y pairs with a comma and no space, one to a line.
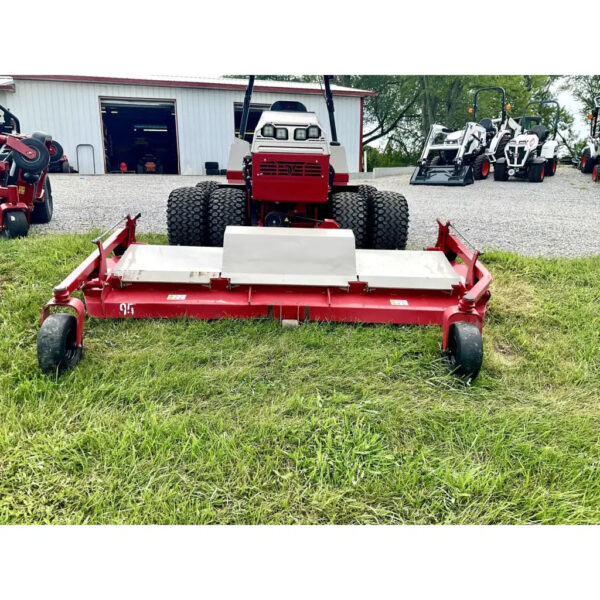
559,217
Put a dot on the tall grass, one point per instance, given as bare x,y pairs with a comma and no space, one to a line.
244,422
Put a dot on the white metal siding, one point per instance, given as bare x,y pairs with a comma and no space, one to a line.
71,113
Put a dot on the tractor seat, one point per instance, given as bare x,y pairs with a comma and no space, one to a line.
541,132
41,136
29,177
487,125
288,106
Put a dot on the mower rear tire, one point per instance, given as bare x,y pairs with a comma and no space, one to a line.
465,349
500,171
57,348
15,224
38,162
350,211
186,217
388,227
367,192
42,211
481,167
587,162
226,206
207,186
596,174
550,169
536,172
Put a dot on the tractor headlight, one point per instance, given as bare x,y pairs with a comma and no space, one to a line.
300,134
314,132
281,133
268,131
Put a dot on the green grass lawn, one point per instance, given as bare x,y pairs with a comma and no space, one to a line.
246,422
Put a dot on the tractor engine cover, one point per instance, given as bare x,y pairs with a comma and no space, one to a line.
290,177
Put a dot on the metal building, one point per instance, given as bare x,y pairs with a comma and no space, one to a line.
104,123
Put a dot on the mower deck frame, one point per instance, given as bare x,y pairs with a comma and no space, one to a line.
111,289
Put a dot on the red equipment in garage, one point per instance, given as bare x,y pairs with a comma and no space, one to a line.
291,274
25,192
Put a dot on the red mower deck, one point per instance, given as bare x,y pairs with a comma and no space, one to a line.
279,273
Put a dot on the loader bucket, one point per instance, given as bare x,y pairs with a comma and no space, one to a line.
442,175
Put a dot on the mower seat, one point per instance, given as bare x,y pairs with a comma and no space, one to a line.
288,106
541,132
41,136
29,177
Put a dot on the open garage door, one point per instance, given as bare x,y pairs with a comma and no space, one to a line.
140,134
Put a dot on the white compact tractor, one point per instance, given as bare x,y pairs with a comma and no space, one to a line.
459,157
590,159
291,175
532,154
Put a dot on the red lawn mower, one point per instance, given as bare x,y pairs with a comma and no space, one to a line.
291,175
287,237
25,192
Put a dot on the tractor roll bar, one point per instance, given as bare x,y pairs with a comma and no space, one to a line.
246,108
595,120
328,100
542,102
7,113
488,89
330,109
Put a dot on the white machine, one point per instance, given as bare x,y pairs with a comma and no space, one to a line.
460,157
533,153
590,157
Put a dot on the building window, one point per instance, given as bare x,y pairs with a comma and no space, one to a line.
255,111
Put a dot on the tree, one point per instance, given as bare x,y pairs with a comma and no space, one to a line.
584,88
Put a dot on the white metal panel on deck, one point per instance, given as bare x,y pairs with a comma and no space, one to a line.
274,256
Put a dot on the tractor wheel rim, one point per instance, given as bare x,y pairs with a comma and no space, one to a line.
595,174
542,174
584,161
485,168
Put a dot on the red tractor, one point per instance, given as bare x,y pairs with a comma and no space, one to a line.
25,192
290,176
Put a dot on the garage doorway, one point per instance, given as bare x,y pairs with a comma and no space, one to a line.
139,135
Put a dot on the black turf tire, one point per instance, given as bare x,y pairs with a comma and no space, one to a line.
367,192
550,167
226,206
587,163
479,166
207,186
350,211
15,224
57,154
186,217
388,227
500,171
57,348
42,211
536,172
465,349
36,164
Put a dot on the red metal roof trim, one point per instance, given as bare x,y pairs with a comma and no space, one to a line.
190,84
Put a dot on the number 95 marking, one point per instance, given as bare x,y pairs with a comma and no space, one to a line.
126,308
